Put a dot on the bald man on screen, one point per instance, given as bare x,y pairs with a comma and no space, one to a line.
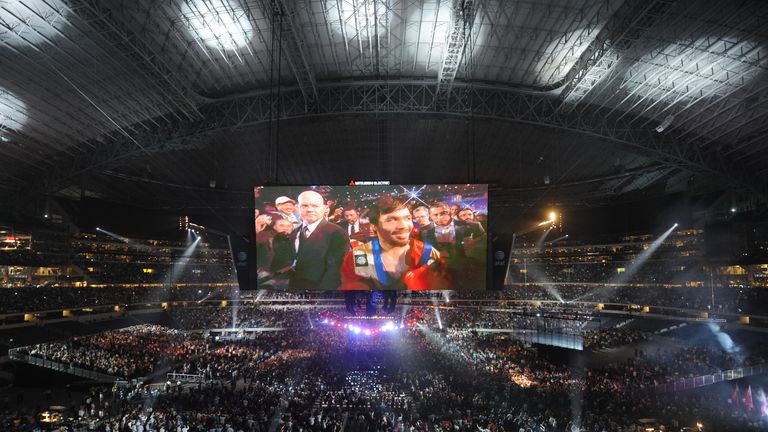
318,245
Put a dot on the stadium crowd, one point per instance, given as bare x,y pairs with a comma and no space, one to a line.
726,300
16,300
131,352
116,273
312,377
605,338
652,272
247,316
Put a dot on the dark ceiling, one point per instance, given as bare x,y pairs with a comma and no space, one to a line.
176,104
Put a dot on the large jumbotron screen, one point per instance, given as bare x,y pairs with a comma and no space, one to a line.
368,238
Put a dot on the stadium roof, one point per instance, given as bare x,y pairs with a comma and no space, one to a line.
178,100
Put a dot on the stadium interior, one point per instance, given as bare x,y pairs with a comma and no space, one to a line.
606,162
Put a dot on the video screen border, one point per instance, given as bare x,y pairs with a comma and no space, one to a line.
459,261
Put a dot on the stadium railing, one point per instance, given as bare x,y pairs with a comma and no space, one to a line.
16,354
705,380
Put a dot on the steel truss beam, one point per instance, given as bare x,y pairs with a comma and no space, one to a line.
102,19
407,98
631,20
295,48
463,15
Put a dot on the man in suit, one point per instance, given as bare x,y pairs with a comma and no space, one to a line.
319,247
448,235
394,260
420,220
356,229
461,243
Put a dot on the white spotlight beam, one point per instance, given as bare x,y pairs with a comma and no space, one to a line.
189,250
640,260
178,267
632,268
111,234
557,239
514,239
447,296
535,274
540,241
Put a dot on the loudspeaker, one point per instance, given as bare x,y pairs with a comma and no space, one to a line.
498,258
244,254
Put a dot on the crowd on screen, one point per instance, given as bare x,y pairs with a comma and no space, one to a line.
423,378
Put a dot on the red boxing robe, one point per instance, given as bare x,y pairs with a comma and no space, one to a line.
359,272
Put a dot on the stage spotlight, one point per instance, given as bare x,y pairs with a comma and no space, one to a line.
552,216
447,296
733,209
